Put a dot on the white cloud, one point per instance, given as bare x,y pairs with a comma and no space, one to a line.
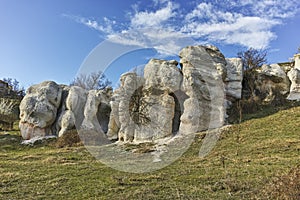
247,31
153,18
165,26
276,8
217,25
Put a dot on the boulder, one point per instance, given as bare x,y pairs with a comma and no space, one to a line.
294,76
272,82
234,77
38,109
71,115
203,74
297,61
163,74
90,130
143,108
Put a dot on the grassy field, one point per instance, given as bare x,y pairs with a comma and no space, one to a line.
252,160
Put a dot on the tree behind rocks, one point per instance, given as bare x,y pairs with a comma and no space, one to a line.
253,58
93,81
15,90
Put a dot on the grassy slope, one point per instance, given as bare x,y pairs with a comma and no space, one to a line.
239,167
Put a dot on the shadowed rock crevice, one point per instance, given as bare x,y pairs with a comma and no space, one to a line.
178,110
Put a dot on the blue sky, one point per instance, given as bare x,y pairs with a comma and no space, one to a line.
49,40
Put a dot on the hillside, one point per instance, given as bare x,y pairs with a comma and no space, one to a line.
250,161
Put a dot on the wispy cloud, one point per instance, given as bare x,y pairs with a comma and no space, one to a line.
167,25
229,27
105,27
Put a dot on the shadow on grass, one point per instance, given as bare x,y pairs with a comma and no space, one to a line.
9,141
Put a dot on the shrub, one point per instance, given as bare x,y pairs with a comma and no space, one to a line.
68,139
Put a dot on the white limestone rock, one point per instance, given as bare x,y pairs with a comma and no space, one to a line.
162,74
234,77
38,109
273,81
297,61
203,83
143,107
72,117
90,131
294,76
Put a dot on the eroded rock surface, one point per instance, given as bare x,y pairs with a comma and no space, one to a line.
294,76
143,107
52,109
38,109
234,77
203,71
274,81
72,110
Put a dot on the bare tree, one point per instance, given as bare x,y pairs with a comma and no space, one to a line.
253,58
15,90
93,81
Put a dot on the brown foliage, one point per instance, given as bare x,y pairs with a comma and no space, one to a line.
69,139
284,187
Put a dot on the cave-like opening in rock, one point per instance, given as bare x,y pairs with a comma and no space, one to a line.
177,111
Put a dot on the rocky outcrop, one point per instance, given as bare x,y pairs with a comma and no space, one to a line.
273,81
168,100
143,107
203,71
52,109
165,101
71,113
234,78
297,61
38,109
294,76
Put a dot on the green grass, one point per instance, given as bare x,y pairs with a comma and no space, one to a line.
244,162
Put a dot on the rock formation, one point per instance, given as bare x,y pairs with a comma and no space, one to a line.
234,78
143,107
71,113
38,109
203,71
294,76
52,109
273,82
167,100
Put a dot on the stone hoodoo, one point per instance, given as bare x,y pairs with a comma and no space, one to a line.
165,101
203,71
143,107
294,76
52,109
38,109
169,98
